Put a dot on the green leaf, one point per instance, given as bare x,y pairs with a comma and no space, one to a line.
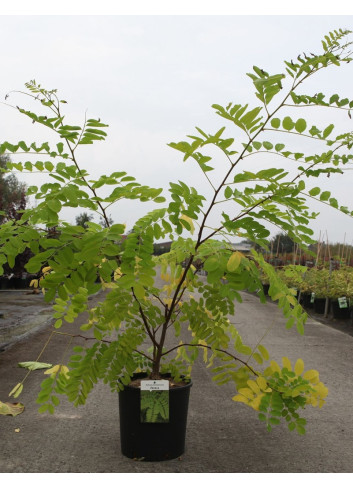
275,123
49,165
211,264
54,205
334,203
274,421
139,291
325,195
328,131
300,429
267,145
314,191
228,192
55,400
257,145
334,98
290,323
288,124
43,408
300,125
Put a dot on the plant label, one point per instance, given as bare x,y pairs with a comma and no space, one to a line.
154,385
154,406
342,302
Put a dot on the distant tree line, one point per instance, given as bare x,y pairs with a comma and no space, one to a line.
12,193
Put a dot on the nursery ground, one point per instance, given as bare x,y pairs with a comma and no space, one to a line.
222,436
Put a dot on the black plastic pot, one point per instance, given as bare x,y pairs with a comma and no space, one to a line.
305,300
340,313
153,441
319,305
3,283
266,288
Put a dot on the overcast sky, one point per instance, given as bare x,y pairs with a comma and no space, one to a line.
153,79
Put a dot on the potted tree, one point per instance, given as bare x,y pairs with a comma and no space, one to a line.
307,288
340,292
320,288
157,314
293,277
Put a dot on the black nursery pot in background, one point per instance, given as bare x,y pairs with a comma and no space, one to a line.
340,313
305,300
319,305
3,283
266,288
153,441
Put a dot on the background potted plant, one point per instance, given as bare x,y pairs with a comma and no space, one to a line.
156,316
293,277
340,292
320,278
307,288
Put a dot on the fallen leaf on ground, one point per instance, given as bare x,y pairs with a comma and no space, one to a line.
34,365
11,409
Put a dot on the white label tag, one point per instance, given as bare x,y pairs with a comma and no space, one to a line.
342,302
154,385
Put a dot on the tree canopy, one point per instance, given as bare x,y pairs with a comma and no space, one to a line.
12,193
83,219
282,243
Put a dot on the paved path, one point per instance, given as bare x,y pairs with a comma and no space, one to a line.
21,313
222,436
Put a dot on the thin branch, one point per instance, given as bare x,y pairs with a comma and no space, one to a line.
95,339
213,349
317,105
144,319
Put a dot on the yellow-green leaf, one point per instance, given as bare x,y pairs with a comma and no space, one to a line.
248,393
234,261
254,386
189,221
258,358
262,383
291,300
16,391
53,370
311,376
34,365
275,367
64,370
299,366
264,352
277,296
286,363
240,398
